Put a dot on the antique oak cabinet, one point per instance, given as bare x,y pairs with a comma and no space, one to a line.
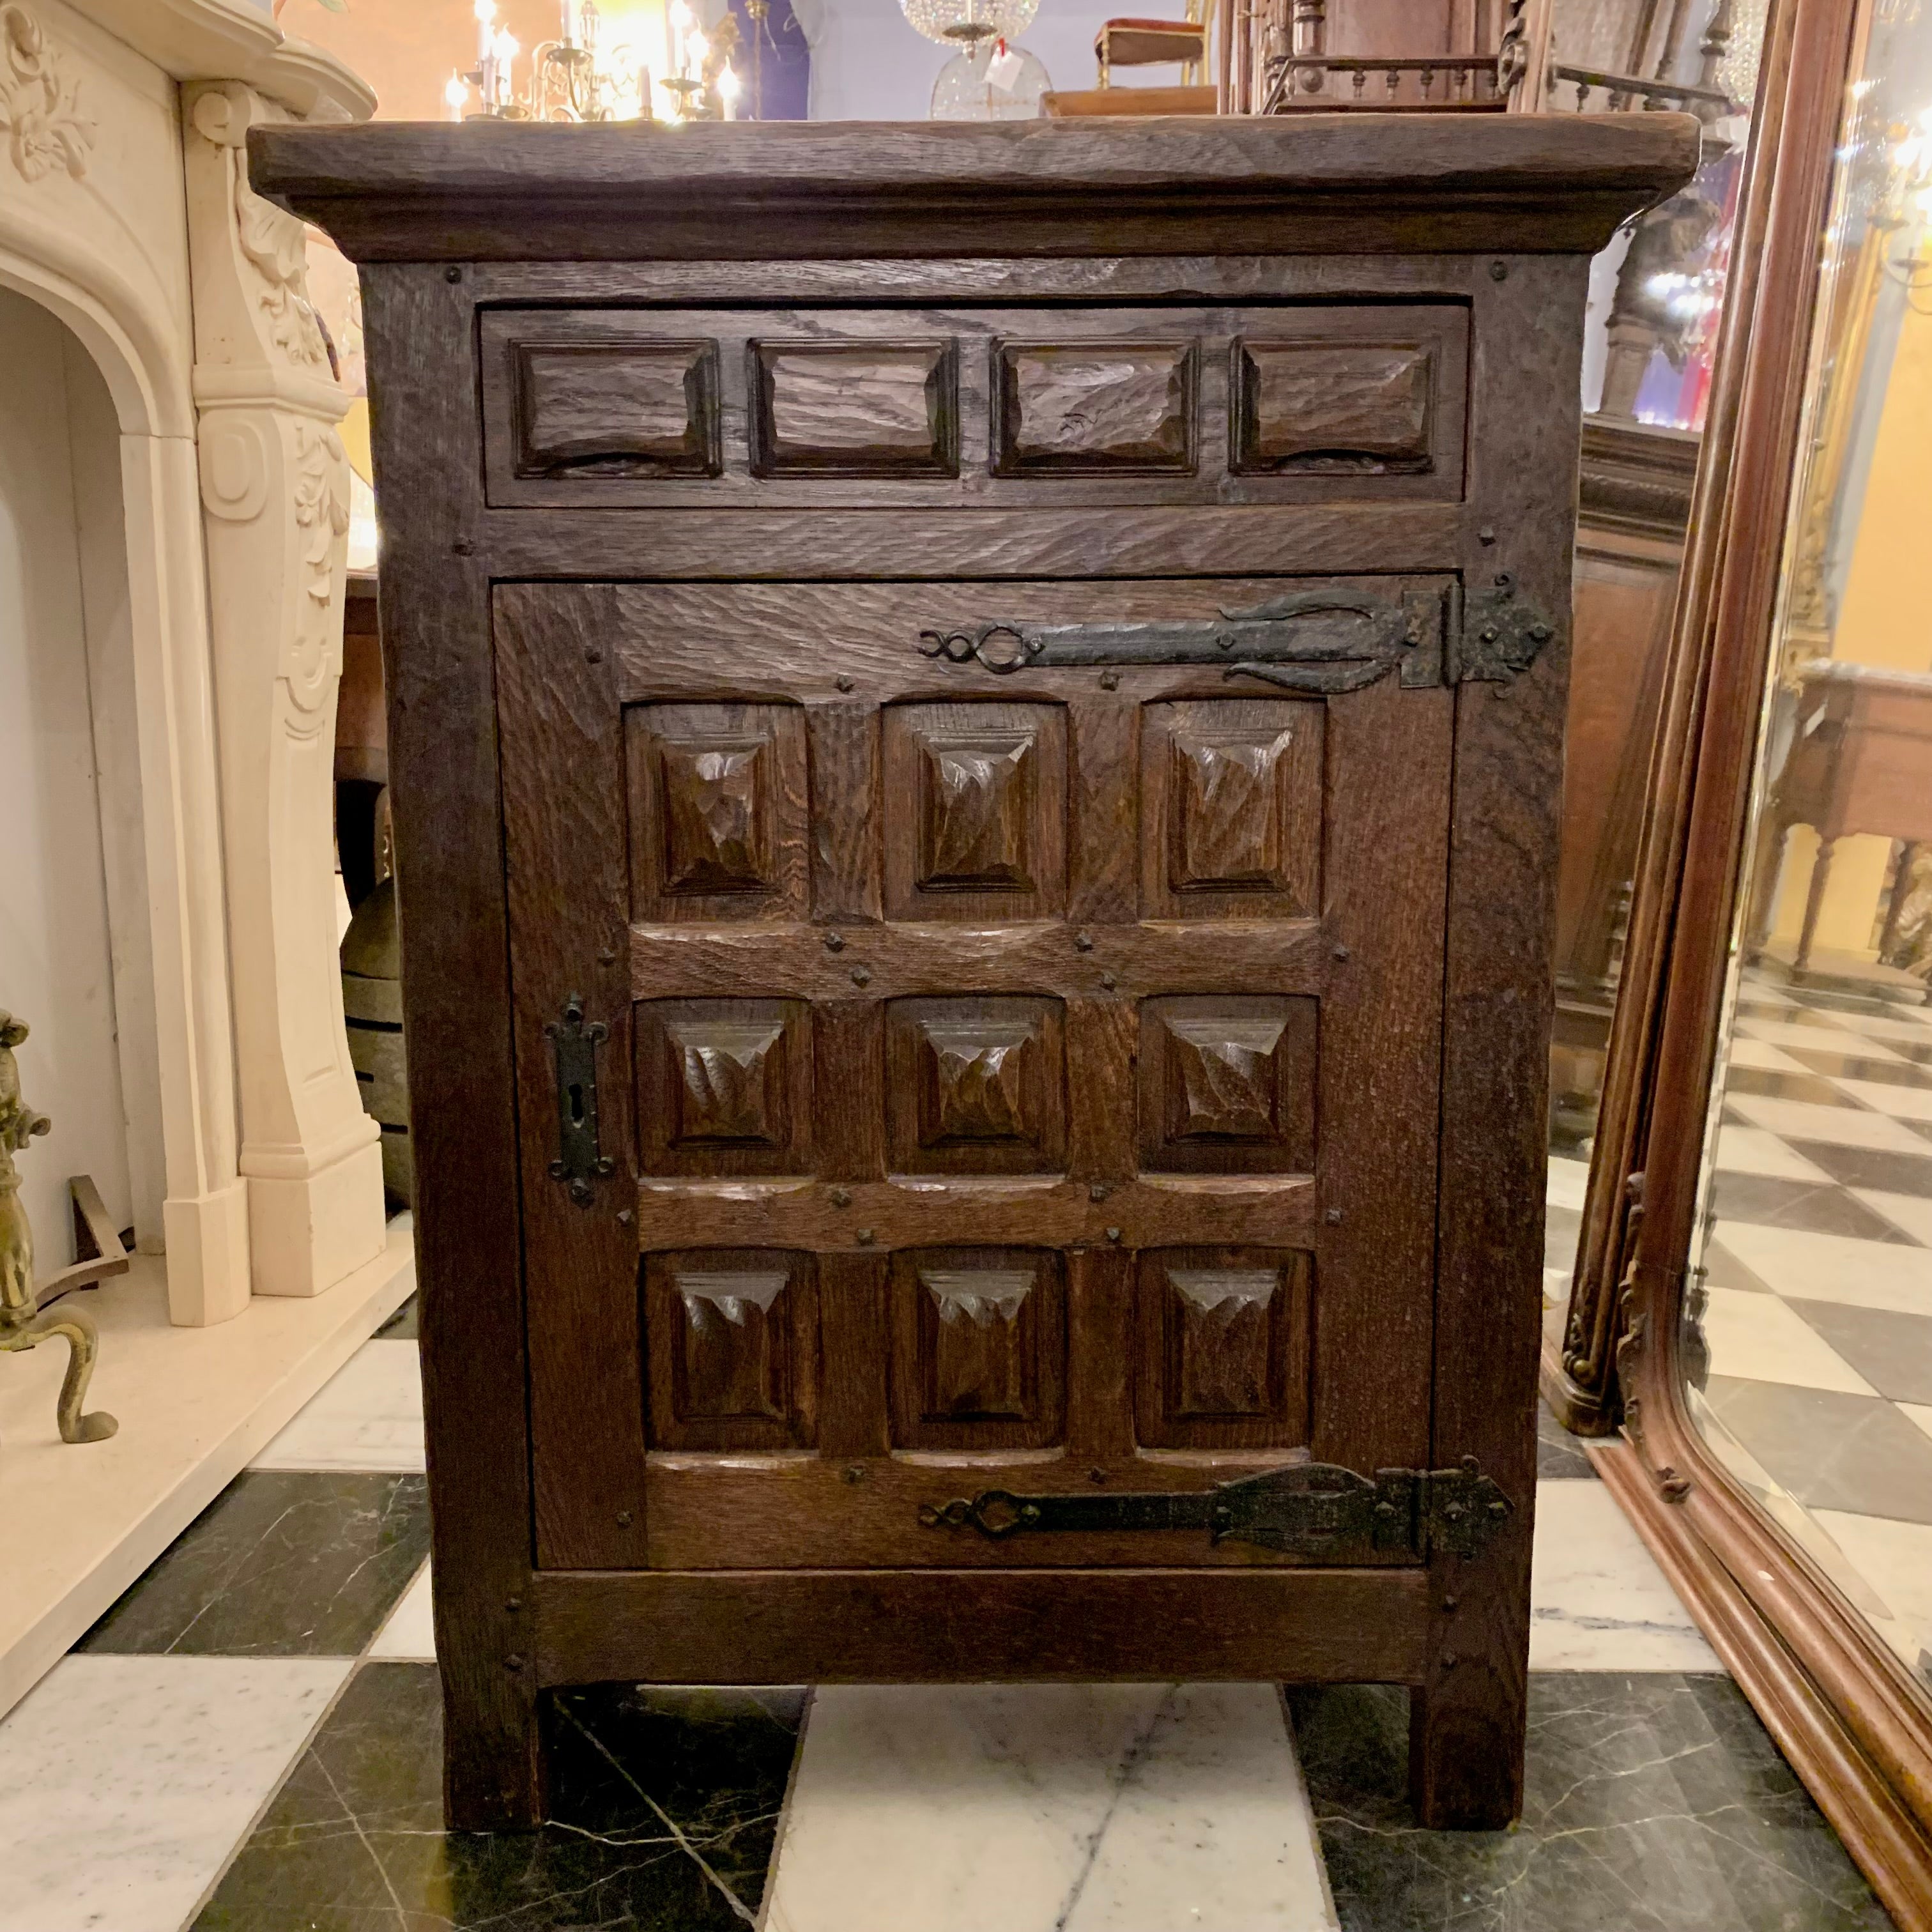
976,735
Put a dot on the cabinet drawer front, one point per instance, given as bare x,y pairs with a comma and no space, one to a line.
1260,403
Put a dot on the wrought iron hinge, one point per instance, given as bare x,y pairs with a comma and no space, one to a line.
1315,1510
1323,642
1499,634
574,1043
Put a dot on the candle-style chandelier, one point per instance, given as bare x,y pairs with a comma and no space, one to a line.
591,73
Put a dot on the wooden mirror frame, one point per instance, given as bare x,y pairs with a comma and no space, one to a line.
1854,1722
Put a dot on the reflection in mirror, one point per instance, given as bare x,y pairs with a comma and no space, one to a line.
1656,299
1809,1339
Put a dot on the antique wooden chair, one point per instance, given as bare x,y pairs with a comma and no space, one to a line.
1140,43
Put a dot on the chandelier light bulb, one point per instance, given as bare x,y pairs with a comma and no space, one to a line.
727,92
697,46
456,96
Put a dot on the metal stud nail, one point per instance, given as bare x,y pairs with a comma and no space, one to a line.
514,1604
513,1662
452,274
841,1197
1110,680
1083,942
1108,980
1113,1233
1098,1191
845,680
834,942
624,1217
1448,1659
1487,534
1333,1217
853,1472
1498,271
861,976
593,655
866,1237
1341,952
623,1519
1097,1475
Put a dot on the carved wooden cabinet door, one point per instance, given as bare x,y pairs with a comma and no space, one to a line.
1019,1055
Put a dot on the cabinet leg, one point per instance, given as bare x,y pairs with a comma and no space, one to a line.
494,1759
1466,1745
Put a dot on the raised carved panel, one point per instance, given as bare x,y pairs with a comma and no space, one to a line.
1363,407
1227,1084
723,1086
978,1348
732,1338
984,834
976,1085
1224,1356
718,812
858,409
975,811
1091,408
1232,820
617,409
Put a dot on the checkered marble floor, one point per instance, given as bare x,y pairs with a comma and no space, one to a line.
250,1741
1818,1284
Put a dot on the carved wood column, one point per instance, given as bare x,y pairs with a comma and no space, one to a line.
274,489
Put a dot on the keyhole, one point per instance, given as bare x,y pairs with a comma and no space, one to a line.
576,1105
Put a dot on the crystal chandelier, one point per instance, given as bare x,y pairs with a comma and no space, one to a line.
957,23
588,73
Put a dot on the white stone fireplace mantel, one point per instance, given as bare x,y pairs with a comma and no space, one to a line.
168,418
124,209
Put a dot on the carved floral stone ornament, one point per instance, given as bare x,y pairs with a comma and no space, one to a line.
276,245
322,514
40,113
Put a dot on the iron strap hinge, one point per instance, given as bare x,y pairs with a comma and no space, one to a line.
1321,642
1316,1511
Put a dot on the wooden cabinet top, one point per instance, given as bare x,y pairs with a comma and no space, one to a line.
1355,183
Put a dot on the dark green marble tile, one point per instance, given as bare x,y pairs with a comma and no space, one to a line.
402,1326
1654,1803
283,1563
1558,1452
663,1806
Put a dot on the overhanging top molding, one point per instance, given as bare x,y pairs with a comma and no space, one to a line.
232,40
1406,184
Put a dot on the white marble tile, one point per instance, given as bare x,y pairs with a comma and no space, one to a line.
1764,1339
1755,1150
1916,1412
131,1779
1764,1057
1832,1037
410,1635
1840,1127
1597,1599
1911,1213
1895,1558
369,1417
1568,1179
1833,1267
1902,1103
1911,1026
1089,1808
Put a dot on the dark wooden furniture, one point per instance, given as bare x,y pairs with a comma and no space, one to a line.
976,790
1859,760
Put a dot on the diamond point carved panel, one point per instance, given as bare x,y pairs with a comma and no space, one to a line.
978,1357
731,1083
717,815
975,809
731,1339
723,1086
1225,1354
1227,815
1227,1084
976,1085
1223,1077
983,833
1234,808
979,1085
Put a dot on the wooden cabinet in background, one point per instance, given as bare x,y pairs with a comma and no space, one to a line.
1634,506
976,796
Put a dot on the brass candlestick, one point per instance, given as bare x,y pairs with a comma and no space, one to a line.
21,1324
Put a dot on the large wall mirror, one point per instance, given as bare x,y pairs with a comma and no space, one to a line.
1750,1325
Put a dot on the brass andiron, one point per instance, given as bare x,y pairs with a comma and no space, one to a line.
21,1324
